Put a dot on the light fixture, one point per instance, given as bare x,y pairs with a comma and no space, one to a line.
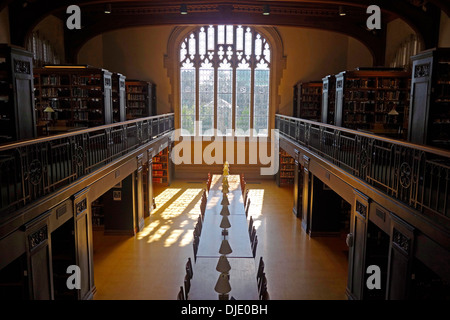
225,183
341,11
393,112
49,109
266,10
223,265
108,8
225,247
62,66
183,9
225,189
225,201
225,223
225,211
223,284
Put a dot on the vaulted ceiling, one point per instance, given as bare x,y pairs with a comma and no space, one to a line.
422,15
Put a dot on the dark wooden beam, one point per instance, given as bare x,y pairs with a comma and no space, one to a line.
320,14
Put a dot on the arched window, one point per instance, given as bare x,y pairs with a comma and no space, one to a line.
224,82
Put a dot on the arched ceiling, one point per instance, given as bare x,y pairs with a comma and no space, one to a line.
421,15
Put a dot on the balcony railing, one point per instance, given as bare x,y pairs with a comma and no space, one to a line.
416,175
32,169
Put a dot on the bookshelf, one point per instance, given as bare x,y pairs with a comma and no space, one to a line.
161,168
373,100
79,97
328,99
98,214
286,173
429,119
141,99
308,100
17,118
118,97
296,100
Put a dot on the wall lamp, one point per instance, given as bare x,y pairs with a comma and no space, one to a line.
266,10
108,8
183,9
341,11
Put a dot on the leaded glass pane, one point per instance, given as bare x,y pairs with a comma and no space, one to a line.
188,101
224,101
211,43
243,93
221,35
230,34
231,55
261,102
202,41
240,38
206,101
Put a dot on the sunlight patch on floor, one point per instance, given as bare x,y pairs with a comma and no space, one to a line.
148,229
164,197
181,204
256,197
173,237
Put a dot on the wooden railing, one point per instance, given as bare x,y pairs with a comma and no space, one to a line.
32,169
414,174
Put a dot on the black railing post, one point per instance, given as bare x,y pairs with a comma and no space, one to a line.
414,174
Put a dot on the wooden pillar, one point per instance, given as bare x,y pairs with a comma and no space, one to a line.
298,187
306,196
148,184
139,194
84,244
356,240
400,259
37,235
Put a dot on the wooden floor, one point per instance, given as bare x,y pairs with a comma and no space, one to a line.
151,265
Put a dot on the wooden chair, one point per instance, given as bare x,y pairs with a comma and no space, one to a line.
187,286
247,208
203,204
265,295
254,245
260,269
250,225
189,270
208,182
253,234
180,295
195,245
262,283
246,195
263,292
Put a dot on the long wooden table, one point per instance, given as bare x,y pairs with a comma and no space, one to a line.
243,270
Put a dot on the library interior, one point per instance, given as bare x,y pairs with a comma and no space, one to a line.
225,150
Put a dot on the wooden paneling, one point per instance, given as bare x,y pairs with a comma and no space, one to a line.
83,243
400,259
356,240
39,264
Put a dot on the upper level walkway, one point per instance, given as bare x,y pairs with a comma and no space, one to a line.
410,180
